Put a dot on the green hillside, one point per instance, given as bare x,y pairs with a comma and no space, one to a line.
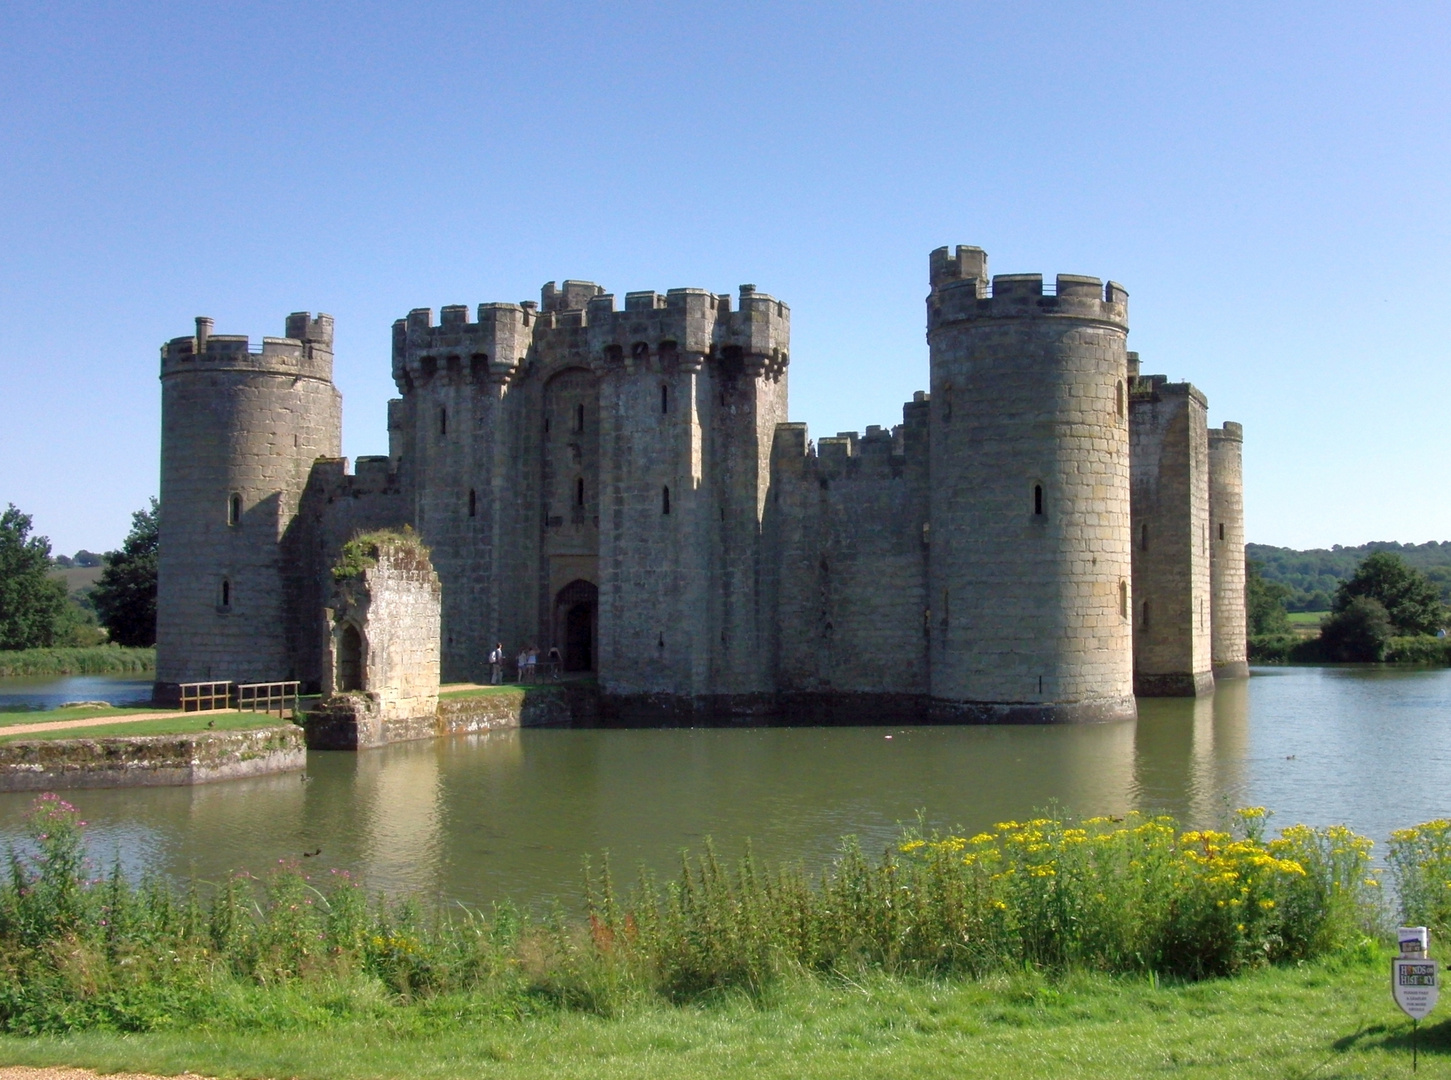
1312,576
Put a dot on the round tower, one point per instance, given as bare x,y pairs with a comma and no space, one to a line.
1030,562
241,426
1226,552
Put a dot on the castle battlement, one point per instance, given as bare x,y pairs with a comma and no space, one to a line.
962,292
684,326
1149,388
1230,432
491,348
306,350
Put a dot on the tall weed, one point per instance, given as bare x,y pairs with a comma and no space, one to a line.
1050,895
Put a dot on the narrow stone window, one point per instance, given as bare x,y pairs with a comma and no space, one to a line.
1118,396
226,594
1144,622
1123,599
234,509
1037,500
1221,530
1144,537
579,492
664,500
664,399
579,418
546,423
473,502
443,421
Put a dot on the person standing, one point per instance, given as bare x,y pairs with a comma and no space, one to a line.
496,664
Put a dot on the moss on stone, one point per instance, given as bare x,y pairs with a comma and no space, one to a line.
363,551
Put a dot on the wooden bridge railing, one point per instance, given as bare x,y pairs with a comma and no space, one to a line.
269,697
206,696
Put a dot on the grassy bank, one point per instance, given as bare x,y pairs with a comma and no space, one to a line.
1050,947
99,660
1298,649
1331,1018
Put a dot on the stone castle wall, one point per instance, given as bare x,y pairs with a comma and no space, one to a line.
1226,545
850,527
623,483
1171,586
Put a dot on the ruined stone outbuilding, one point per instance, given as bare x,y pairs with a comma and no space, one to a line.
1045,533
380,675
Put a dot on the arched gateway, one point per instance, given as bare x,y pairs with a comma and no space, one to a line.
576,624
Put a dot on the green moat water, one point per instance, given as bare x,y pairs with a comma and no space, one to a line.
513,814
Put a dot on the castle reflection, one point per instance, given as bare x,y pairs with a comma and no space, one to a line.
515,813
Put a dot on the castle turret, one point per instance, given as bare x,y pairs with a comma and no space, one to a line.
690,394
1029,595
1226,563
240,428
468,476
1169,440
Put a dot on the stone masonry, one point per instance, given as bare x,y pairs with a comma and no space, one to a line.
1226,546
623,483
1171,583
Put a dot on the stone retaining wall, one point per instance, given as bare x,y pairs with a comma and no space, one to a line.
348,722
150,760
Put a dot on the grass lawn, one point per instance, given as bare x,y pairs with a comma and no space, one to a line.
1307,618
1322,1020
513,688
179,724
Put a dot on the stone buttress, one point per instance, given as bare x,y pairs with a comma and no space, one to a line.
1171,587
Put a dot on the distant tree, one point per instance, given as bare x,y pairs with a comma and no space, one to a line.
63,561
33,605
1264,602
88,558
1359,632
1411,602
125,595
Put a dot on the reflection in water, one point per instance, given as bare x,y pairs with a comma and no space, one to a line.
49,691
514,813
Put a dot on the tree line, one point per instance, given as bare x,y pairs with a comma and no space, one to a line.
36,609
1382,601
1313,576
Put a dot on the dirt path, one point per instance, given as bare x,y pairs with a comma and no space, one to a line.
62,1072
100,721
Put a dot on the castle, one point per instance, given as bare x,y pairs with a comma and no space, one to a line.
1045,534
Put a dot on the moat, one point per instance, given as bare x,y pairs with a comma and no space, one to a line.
513,813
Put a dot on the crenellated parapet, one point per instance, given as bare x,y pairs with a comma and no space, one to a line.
686,328
306,350
682,329
1146,389
489,348
877,453
963,292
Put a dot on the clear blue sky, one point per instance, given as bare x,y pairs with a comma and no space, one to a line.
1270,182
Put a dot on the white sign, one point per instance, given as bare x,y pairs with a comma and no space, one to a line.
1415,985
1414,940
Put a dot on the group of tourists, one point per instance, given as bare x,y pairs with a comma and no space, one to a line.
526,664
